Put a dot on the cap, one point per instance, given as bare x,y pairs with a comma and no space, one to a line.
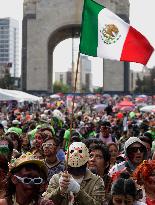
16,122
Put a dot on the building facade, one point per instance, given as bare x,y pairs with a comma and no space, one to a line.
84,78
9,45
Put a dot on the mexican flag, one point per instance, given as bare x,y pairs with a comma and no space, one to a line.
106,35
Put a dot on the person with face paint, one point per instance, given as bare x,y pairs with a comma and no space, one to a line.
26,181
77,185
145,177
6,150
135,152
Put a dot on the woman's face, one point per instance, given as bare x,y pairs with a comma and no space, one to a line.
122,199
25,139
113,151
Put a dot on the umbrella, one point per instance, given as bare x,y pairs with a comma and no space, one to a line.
100,107
128,97
125,103
147,108
142,96
126,108
106,95
140,99
90,96
55,96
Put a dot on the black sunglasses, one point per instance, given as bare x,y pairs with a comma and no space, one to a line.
135,149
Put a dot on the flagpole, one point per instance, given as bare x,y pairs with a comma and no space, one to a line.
72,110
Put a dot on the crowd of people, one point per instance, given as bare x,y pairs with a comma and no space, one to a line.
51,156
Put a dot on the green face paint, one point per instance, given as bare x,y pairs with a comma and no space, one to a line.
4,149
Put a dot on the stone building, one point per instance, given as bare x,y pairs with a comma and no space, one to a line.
45,24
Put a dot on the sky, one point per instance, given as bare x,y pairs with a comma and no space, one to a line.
142,15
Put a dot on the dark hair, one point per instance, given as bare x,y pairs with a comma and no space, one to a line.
114,144
146,139
105,153
105,123
92,140
124,186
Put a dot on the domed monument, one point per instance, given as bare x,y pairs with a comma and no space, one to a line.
45,24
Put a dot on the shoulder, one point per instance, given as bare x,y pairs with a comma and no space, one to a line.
93,177
3,202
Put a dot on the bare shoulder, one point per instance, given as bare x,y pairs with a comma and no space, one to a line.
3,202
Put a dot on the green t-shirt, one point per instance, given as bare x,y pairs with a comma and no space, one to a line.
67,137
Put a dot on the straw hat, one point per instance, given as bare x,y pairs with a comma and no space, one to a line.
24,159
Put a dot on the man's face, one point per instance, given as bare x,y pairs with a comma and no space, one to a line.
49,148
96,162
136,153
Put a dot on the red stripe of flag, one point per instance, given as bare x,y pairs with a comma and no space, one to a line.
136,48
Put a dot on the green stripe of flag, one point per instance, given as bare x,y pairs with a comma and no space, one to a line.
89,28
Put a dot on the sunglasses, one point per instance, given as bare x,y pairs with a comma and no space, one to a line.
27,180
48,145
135,149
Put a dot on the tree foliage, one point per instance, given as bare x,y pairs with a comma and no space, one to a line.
60,87
98,90
6,82
147,84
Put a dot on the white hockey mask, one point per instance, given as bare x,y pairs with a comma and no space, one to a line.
78,154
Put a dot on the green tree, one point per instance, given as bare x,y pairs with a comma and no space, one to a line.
98,90
6,82
60,87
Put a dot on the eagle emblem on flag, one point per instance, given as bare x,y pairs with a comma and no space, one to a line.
110,33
